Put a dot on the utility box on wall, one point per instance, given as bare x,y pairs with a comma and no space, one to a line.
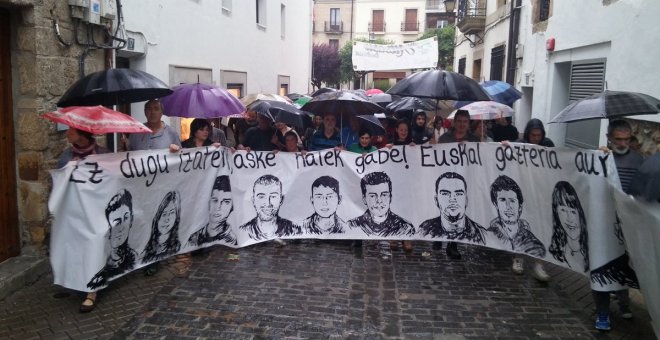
93,12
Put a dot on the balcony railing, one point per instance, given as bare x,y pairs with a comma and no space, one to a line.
471,16
409,26
377,27
333,27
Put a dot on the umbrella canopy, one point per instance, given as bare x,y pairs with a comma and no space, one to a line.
96,119
608,104
301,101
250,98
112,87
410,104
381,99
441,85
201,101
371,123
294,96
341,103
322,91
280,112
501,92
371,92
486,110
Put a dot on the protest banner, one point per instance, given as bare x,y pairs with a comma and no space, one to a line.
114,213
412,55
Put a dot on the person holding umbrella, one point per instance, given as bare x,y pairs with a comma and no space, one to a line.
83,144
162,137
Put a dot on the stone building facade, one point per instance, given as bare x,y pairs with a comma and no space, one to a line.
39,69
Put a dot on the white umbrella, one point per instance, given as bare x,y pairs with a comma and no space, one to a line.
485,110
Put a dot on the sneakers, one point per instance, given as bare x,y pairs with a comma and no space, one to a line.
602,322
539,272
626,313
518,265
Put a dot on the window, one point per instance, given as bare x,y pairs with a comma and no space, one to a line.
411,21
334,19
497,63
261,13
283,20
226,6
235,89
284,89
544,10
283,85
476,70
334,43
378,21
461,66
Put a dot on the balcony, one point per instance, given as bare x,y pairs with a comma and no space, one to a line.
412,27
333,27
377,27
471,16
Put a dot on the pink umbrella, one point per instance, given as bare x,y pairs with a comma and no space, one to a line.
371,92
96,119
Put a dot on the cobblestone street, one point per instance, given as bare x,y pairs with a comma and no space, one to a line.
326,290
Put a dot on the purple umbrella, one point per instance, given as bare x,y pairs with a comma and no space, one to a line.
201,101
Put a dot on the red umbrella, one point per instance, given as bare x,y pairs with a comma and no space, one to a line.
371,92
96,119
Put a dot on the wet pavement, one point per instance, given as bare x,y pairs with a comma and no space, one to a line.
324,290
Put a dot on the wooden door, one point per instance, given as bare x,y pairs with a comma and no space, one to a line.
9,238
378,21
411,20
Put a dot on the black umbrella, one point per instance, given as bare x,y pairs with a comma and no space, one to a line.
410,104
341,103
382,99
114,86
280,112
322,91
439,85
608,104
371,123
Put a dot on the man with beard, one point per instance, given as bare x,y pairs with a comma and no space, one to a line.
509,228
452,224
267,199
325,200
220,206
379,220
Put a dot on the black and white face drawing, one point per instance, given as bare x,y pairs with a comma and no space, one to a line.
452,224
164,240
267,199
119,214
325,199
220,206
513,231
569,242
379,219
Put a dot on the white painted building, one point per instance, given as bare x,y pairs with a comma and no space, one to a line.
597,45
245,46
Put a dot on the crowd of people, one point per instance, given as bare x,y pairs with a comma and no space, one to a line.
259,133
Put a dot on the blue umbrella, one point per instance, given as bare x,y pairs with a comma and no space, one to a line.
501,92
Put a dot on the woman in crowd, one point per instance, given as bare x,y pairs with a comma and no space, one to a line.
569,228
83,144
199,134
164,240
291,142
478,129
438,126
402,134
364,143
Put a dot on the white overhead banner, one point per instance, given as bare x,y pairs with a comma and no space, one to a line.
416,54
115,213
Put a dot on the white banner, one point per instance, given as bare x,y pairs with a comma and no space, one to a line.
118,212
416,54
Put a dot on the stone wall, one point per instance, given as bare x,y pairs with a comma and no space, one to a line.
42,69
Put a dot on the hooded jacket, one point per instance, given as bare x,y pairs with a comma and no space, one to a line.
535,124
420,134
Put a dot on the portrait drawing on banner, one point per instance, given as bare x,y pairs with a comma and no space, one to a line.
220,206
512,231
569,243
119,215
164,239
325,199
267,199
378,219
452,224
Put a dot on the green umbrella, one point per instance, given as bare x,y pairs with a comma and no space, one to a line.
302,101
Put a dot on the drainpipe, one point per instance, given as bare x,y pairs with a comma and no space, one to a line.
351,33
514,29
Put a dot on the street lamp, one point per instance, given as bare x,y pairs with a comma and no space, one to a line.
450,5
